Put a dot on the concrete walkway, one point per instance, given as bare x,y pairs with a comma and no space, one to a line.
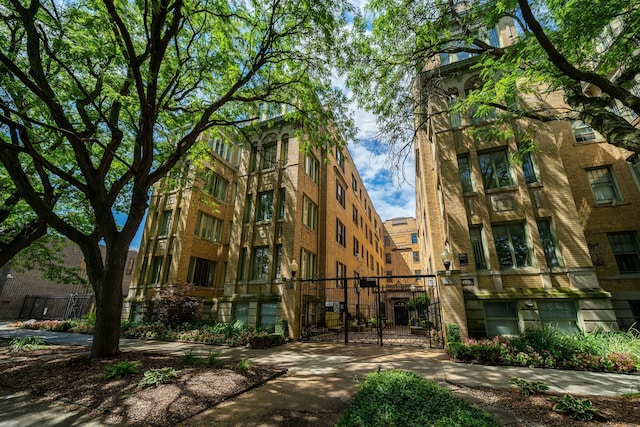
321,378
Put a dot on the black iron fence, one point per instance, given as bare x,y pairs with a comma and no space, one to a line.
72,306
370,310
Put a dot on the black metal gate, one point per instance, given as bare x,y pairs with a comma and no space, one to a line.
72,306
370,310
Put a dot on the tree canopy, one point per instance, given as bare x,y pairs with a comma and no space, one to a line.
589,50
99,99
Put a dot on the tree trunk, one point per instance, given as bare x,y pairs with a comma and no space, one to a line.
107,285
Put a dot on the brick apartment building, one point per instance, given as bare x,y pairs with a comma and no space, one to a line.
271,206
550,241
27,295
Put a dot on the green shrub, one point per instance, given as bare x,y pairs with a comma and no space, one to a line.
26,344
481,353
282,328
154,377
578,409
419,303
266,341
528,387
121,369
243,366
189,359
213,360
90,318
398,398
453,333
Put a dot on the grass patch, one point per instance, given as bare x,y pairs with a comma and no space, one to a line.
399,398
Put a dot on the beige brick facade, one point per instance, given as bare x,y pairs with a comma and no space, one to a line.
519,233
283,204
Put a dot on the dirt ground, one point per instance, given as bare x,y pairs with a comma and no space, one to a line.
66,374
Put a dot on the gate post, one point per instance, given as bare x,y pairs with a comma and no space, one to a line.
452,301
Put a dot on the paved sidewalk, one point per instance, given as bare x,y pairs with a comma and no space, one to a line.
321,378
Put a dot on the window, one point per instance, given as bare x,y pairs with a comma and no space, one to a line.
414,237
354,184
549,243
312,168
341,273
387,258
260,263
248,206
340,158
165,223
561,315
626,251
242,259
265,206
389,275
309,213
387,240
284,149
241,312
282,202
603,185
354,213
464,168
455,117
268,313
308,265
156,268
501,318
216,186
356,247
208,227
477,244
634,165
223,149
416,256
340,193
529,169
201,272
341,233
581,131
495,169
277,262
269,155
511,245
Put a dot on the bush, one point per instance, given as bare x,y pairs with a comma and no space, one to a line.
405,399
266,341
481,353
26,344
453,333
243,366
528,387
173,306
578,409
154,377
121,369
419,303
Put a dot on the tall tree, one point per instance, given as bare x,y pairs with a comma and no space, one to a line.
104,97
589,50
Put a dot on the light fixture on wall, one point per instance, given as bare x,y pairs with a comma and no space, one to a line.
446,259
293,267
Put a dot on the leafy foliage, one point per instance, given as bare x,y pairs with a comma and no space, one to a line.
418,303
392,54
529,387
173,305
121,369
26,344
578,409
404,398
551,348
243,366
154,377
102,99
